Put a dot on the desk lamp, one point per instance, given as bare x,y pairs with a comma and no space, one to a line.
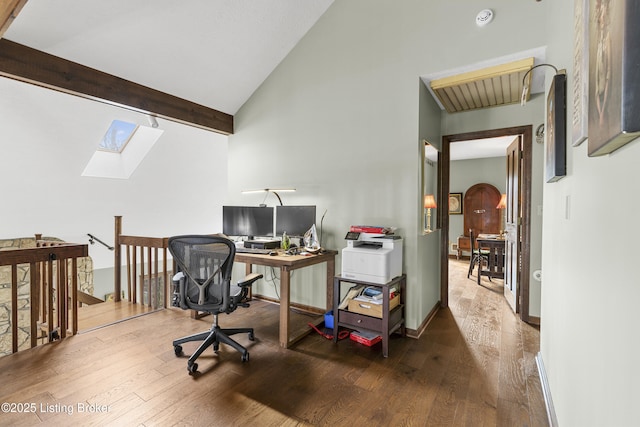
502,204
429,203
271,190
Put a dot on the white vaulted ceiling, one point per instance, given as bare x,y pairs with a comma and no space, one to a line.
212,52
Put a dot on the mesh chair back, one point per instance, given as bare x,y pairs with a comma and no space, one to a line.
206,262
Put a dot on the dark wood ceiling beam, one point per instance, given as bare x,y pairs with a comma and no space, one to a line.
9,9
36,67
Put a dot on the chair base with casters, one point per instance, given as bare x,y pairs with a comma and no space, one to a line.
216,335
213,337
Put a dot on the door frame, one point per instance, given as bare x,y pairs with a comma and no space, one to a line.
443,214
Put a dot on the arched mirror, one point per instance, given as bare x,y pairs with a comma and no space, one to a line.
429,195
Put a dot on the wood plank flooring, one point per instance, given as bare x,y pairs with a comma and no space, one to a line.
473,366
108,312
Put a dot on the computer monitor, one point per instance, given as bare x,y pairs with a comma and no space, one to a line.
247,221
295,220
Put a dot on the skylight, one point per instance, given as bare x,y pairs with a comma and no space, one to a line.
111,160
117,136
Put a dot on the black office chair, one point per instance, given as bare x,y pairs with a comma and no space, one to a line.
478,256
203,283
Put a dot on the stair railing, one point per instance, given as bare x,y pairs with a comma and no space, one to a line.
53,285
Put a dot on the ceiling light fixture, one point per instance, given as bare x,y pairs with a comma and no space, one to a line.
152,121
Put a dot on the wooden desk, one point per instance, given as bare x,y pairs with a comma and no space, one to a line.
287,263
495,258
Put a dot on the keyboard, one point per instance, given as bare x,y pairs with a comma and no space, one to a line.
253,251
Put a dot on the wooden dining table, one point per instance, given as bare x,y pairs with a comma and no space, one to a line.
495,245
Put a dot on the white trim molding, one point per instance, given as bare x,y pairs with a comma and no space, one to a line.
546,392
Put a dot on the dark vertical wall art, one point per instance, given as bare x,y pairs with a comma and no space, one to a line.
556,155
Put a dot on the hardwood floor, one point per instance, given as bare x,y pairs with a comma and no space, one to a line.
474,366
108,312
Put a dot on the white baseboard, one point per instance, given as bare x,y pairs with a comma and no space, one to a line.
546,392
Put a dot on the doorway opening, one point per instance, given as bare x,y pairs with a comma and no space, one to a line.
524,133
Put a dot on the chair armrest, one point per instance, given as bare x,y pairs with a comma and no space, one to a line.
248,281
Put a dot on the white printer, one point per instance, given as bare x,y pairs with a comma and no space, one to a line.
372,257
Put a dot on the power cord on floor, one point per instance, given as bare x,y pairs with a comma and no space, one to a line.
341,335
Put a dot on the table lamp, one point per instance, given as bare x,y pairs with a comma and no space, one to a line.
502,204
429,203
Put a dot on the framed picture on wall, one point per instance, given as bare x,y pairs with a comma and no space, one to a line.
614,82
580,87
556,155
455,203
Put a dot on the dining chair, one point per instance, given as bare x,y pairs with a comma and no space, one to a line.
477,255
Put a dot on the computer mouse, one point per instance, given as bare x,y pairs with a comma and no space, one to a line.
273,253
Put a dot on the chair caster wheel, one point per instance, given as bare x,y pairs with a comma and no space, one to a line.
177,349
245,357
251,336
193,368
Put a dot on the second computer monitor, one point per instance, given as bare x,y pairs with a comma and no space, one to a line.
294,220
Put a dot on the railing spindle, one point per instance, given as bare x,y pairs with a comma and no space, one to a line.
14,308
74,295
34,294
50,326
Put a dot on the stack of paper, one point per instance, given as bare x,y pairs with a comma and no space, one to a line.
353,292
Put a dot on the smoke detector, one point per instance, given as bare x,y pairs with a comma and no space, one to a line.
484,17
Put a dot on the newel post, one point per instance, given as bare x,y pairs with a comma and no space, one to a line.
117,276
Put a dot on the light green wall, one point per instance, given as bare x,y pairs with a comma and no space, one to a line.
428,245
341,119
591,288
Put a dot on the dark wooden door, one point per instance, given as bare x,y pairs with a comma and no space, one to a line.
480,211
512,225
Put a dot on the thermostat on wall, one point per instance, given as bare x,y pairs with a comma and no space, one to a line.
484,17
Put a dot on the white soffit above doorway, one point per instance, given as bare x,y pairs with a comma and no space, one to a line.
474,148
481,148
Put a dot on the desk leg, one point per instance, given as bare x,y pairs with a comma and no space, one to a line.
285,300
331,272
